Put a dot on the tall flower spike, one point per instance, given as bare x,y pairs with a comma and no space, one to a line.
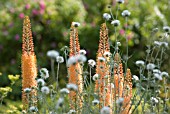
75,71
28,63
102,68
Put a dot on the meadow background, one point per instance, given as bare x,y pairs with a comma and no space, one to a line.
51,20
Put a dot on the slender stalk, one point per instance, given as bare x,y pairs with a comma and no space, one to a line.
52,68
57,84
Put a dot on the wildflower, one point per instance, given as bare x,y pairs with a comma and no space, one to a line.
27,90
83,52
156,71
115,22
101,59
71,61
76,24
126,13
72,87
91,62
106,16
164,74
158,76
112,85
118,43
150,66
120,1
52,54
155,30
157,43
107,54
33,109
166,28
64,91
105,110
135,78
60,59
95,77
81,58
71,112
45,90
95,102
120,101
41,82
140,63
44,73
154,100
164,44
59,103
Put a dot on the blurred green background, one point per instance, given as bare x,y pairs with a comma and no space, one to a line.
51,20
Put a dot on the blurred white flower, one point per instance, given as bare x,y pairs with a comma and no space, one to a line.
72,87
164,74
59,59
140,63
64,91
105,110
52,54
115,22
135,78
41,82
120,1
164,44
106,16
95,77
59,103
82,51
76,24
126,13
107,54
71,111
81,58
166,28
33,109
27,90
71,61
91,62
95,102
157,43
101,59
156,71
150,66
120,101
44,73
118,43
154,100
112,85
45,90
158,76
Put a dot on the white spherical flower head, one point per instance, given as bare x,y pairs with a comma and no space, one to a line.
156,71
41,82
72,87
107,54
135,78
115,23
164,74
27,90
60,59
45,90
101,59
157,43
95,77
158,76
59,103
44,73
154,100
76,24
126,13
164,44
91,62
95,102
120,1
71,111
33,109
118,43
105,110
150,66
120,101
166,28
52,54
82,51
140,63
81,58
64,91
106,16
71,61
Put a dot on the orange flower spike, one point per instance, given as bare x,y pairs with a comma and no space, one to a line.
28,61
75,72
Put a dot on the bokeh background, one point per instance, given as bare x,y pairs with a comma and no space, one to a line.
51,20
